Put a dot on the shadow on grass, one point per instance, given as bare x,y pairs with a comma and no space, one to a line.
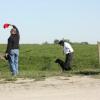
89,72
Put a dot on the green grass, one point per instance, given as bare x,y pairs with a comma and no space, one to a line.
37,61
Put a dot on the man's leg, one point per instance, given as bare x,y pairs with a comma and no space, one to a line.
11,62
16,60
68,61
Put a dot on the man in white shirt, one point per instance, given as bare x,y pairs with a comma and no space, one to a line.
68,51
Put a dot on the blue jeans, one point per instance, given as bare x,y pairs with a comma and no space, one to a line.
13,61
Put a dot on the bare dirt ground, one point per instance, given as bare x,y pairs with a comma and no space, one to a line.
54,88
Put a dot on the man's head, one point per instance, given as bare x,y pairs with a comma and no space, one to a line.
13,31
61,43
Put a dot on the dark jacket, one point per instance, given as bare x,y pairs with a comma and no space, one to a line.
13,41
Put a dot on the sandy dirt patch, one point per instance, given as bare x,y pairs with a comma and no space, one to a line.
54,88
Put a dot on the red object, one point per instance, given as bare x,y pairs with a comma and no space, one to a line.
6,25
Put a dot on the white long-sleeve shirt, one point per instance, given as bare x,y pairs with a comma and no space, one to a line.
68,48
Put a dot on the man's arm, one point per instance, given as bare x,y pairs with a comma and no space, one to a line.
17,31
8,47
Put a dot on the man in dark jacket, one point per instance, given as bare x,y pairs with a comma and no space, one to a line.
13,50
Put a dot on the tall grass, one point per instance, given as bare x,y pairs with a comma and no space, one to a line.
38,60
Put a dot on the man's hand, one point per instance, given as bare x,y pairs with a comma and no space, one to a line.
6,54
11,25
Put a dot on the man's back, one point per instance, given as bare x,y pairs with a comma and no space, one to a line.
68,48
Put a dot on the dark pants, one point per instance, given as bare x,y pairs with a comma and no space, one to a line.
68,61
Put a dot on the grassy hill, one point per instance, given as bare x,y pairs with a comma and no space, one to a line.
38,60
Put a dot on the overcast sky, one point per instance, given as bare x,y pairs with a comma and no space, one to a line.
46,20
